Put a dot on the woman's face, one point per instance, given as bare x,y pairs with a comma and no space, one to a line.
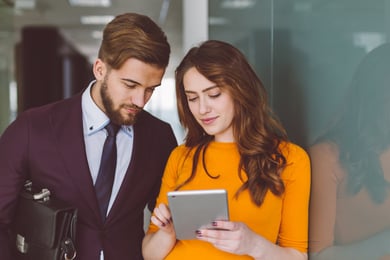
211,105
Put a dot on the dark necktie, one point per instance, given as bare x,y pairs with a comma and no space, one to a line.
105,178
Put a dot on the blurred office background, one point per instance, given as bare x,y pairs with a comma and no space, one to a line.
307,53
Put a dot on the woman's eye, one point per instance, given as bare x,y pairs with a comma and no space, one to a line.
191,99
215,95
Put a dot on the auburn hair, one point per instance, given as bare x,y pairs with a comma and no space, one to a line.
257,131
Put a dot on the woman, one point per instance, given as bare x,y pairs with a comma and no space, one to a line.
350,203
233,142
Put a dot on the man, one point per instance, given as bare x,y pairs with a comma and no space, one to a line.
59,146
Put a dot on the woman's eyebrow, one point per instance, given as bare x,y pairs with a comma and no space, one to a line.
204,90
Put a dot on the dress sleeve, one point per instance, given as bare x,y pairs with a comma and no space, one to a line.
294,222
323,196
169,180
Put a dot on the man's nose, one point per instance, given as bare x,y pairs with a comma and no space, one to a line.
138,98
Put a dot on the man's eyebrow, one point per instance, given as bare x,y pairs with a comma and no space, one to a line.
137,83
205,90
131,81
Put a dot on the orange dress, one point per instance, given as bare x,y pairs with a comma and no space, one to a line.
282,220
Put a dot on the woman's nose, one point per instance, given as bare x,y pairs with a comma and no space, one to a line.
203,106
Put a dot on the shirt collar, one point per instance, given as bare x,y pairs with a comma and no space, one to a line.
95,119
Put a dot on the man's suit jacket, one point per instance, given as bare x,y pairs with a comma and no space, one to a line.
46,144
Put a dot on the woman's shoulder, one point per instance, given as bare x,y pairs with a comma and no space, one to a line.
324,149
180,150
297,162
293,151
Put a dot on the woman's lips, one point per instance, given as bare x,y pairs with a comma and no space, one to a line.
208,121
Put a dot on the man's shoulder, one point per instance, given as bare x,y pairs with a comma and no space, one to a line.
64,104
40,118
153,128
61,110
147,118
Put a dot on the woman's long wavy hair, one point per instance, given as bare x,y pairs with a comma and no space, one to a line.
362,127
257,131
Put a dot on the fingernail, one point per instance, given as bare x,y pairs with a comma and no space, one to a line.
198,233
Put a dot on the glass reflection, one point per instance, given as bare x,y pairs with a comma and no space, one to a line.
350,203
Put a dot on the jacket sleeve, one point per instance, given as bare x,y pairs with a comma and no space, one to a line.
13,150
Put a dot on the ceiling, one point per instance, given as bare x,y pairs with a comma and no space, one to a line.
15,14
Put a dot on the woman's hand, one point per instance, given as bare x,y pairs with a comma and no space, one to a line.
237,238
162,218
232,237
157,245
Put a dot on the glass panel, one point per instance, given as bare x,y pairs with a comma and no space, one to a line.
6,64
329,83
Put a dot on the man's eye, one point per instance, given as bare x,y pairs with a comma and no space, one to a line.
130,86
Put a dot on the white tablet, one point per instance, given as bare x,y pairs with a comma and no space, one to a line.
195,209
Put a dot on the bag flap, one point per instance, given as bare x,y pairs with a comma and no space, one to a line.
40,221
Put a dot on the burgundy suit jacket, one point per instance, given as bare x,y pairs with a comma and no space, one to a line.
46,144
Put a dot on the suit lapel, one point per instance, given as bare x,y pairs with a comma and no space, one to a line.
68,128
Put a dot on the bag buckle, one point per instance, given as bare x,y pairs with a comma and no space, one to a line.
21,244
68,249
44,195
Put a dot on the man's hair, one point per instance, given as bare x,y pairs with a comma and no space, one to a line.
133,35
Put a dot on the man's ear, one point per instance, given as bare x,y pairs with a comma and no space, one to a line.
99,69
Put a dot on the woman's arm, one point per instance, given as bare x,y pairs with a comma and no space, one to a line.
326,176
157,245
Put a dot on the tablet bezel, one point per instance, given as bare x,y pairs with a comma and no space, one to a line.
195,209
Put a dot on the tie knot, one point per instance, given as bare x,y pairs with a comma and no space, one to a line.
112,129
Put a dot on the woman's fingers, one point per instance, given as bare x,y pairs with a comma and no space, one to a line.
225,225
161,215
233,237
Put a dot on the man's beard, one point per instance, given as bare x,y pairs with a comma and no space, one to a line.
114,115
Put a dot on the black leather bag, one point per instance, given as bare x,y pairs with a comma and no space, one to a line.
44,227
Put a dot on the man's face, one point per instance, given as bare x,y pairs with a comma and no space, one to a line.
124,92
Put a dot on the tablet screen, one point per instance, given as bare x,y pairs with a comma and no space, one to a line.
195,209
